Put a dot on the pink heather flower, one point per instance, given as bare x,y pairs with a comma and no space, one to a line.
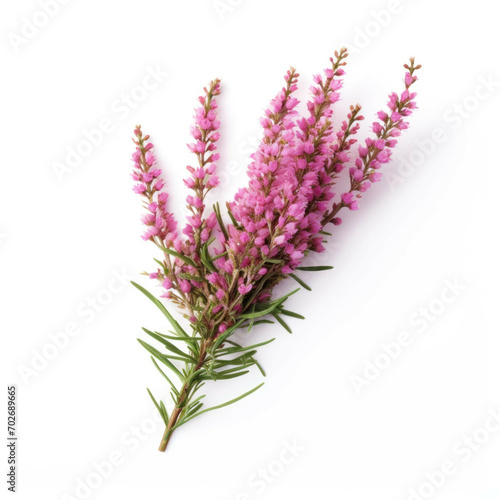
395,116
202,179
214,181
363,151
409,79
139,188
347,198
150,159
212,278
356,173
244,289
199,173
308,148
150,233
159,185
281,215
162,223
384,156
136,156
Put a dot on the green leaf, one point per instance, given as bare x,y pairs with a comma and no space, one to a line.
158,407
280,300
188,340
166,377
163,309
205,258
178,255
227,403
229,374
194,409
158,355
257,364
171,347
188,276
179,358
282,323
196,400
242,360
315,268
218,256
291,313
250,325
258,314
220,221
300,282
153,398
256,323
162,265
274,261
272,306
239,348
231,216
165,412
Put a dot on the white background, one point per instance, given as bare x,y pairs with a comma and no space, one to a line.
64,238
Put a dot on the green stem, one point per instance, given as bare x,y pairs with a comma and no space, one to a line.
181,401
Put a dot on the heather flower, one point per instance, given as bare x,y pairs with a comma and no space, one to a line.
222,274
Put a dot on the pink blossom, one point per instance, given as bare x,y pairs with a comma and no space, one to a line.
279,217
139,188
244,289
150,158
347,198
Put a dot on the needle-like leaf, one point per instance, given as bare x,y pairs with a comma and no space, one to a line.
227,403
163,309
300,282
158,355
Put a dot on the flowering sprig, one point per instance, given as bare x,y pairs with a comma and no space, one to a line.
378,150
161,224
222,274
202,180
